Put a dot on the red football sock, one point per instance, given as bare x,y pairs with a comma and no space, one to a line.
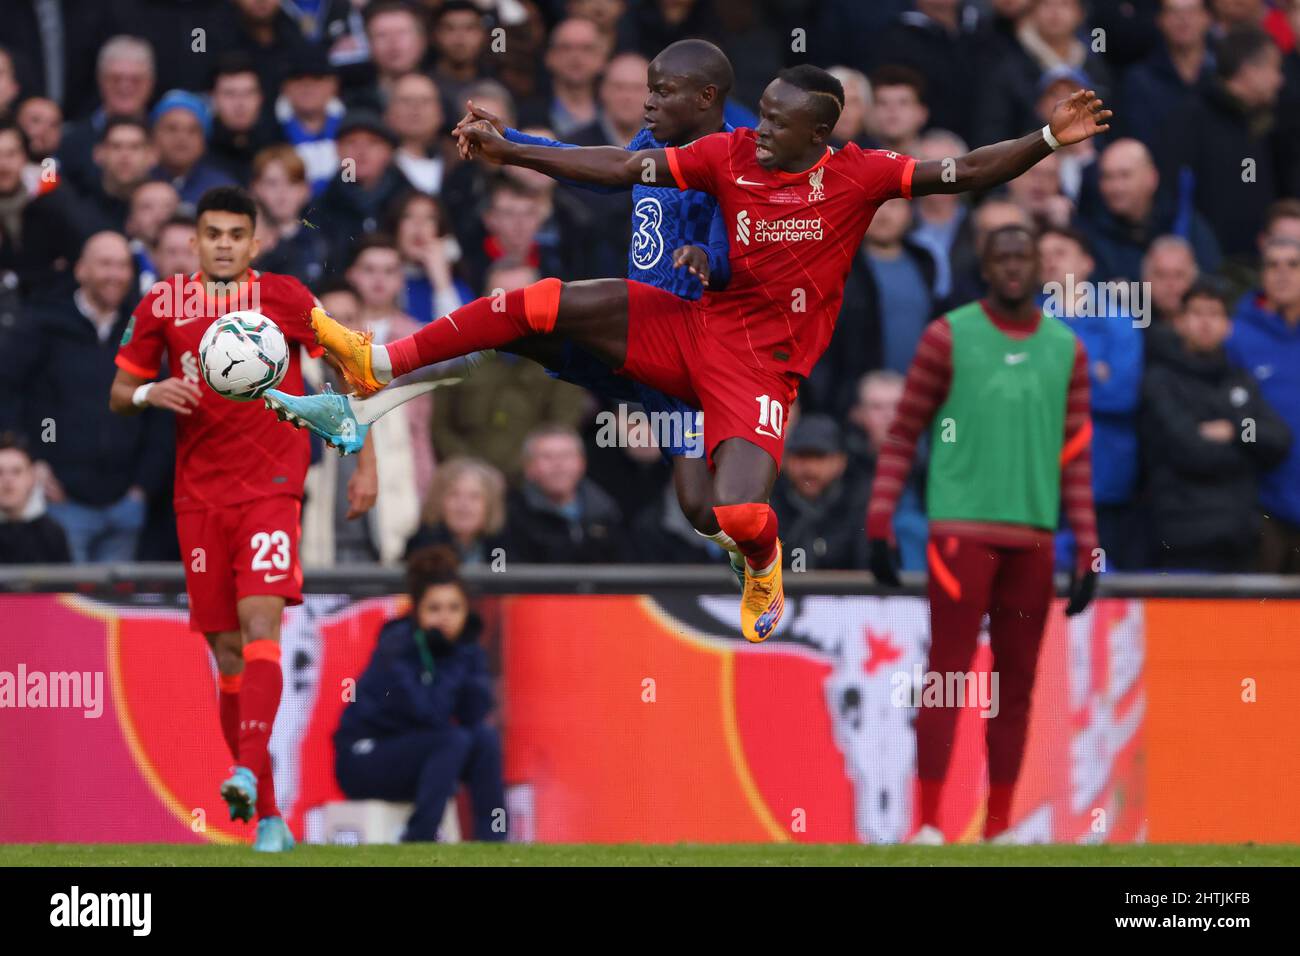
753,528
931,792
485,323
228,707
259,699
998,817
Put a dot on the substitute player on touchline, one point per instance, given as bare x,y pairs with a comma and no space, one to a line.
799,210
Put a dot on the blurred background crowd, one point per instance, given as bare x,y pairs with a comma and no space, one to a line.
115,116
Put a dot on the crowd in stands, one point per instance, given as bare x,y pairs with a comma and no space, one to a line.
1171,246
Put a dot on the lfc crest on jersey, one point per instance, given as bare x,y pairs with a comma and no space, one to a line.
815,181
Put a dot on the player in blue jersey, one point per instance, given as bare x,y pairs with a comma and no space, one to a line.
679,244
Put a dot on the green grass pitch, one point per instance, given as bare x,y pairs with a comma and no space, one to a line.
474,854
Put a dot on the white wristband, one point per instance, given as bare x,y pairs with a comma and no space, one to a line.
141,396
1052,141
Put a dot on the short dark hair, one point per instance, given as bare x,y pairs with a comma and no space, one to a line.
895,74
1207,287
456,6
1007,229
1281,209
827,92
430,567
178,221
12,441
1070,233
227,199
334,285
232,63
380,7
371,240
7,125
1241,45
117,122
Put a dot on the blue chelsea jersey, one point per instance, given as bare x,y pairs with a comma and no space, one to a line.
663,220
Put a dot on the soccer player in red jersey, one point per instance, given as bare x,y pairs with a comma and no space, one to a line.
797,211
239,483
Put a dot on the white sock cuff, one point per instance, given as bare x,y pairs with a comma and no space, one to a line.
721,538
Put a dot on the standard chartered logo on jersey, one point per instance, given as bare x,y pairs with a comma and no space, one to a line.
777,230
647,241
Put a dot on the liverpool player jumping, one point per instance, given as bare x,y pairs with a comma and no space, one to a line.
1005,389
239,483
799,210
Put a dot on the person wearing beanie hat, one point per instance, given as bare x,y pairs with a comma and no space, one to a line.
181,124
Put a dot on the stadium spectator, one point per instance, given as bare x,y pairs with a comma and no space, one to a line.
1038,192
465,187
173,251
625,460
54,44
898,110
377,276
419,725
1207,434
418,223
28,535
1221,151
518,228
368,181
943,41
460,39
152,204
855,117
490,413
240,125
124,75
279,184
1181,67
989,216
1048,38
1168,270
941,220
574,60
558,515
42,121
126,156
812,496
1113,344
9,88
343,519
309,113
1265,344
40,235
269,36
415,115
879,393
399,43
181,126
1075,161
1132,212
97,468
465,510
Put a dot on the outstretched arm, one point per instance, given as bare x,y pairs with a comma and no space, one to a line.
1074,119
603,165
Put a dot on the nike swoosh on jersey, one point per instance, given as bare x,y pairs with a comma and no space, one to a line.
186,321
1017,358
272,578
741,180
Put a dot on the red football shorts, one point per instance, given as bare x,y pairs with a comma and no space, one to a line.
237,552
669,349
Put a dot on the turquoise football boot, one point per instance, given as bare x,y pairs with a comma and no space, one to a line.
328,414
273,836
240,794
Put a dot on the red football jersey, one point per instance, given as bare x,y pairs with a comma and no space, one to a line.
793,238
227,452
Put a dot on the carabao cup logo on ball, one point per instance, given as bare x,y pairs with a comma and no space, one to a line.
243,354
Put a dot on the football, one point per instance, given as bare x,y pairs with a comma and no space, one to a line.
243,354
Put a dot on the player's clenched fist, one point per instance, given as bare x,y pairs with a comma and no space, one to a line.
480,139
178,395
